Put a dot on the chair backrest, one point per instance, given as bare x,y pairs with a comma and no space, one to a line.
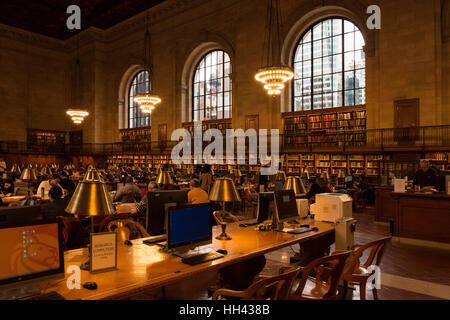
271,288
123,232
328,271
375,254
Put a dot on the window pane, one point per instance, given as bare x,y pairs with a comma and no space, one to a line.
298,104
329,66
317,49
360,59
337,82
337,26
139,85
317,32
360,96
327,43
298,88
307,86
327,62
337,63
360,81
326,28
337,44
349,42
307,51
349,61
349,80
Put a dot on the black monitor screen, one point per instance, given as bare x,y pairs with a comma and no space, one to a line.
189,225
19,215
265,206
158,202
286,205
30,250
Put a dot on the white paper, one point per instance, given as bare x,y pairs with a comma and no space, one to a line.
399,185
104,251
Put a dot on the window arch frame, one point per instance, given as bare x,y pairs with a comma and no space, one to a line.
342,91
131,104
230,91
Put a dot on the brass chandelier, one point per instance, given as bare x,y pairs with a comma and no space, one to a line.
77,115
273,75
147,101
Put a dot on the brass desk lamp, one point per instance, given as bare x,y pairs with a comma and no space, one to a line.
91,198
28,175
164,178
224,190
294,183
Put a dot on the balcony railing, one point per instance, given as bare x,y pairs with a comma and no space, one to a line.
418,137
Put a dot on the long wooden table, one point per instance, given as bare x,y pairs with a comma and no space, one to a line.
144,267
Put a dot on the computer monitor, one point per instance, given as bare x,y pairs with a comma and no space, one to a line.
285,206
31,252
188,227
279,185
18,215
158,203
266,206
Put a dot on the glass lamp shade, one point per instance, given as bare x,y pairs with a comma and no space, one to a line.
224,190
164,178
28,175
294,183
91,197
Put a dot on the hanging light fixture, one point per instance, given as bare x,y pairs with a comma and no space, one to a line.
147,101
77,115
273,75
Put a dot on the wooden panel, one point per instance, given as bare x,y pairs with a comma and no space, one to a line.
406,121
385,205
142,267
252,122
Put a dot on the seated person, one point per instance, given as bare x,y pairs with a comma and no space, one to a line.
324,185
313,188
57,205
67,184
141,208
129,192
197,195
48,184
7,189
425,177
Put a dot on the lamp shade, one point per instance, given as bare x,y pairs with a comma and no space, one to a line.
325,175
305,174
341,174
91,198
15,169
224,190
46,171
164,178
28,175
280,176
294,183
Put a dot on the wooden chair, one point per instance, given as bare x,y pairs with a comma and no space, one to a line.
328,271
123,232
357,272
264,288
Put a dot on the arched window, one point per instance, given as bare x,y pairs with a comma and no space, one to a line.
140,84
329,65
211,87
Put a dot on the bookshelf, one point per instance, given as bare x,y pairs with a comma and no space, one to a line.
325,128
43,140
